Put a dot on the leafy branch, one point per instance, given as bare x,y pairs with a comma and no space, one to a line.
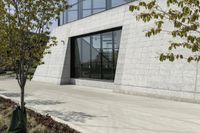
185,20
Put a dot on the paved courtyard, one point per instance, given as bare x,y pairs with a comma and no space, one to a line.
92,110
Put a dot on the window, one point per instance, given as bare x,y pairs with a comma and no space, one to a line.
107,55
95,56
72,13
85,57
87,8
99,5
84,8
115,3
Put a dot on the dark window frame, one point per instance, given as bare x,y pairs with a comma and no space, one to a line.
108,6
73,55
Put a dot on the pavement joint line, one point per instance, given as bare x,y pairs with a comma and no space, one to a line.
125,113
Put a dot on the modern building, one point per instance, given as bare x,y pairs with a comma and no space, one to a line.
100,44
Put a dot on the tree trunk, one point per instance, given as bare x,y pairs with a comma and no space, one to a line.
22,98
23,83
21,77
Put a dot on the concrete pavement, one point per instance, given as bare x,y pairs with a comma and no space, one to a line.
93,110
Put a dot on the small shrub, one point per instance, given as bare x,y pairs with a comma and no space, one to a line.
39,129
2,121
3,127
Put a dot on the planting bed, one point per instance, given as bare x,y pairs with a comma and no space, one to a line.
37,123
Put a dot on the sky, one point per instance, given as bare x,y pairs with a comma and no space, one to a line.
54,25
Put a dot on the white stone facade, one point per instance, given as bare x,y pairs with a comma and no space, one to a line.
139,70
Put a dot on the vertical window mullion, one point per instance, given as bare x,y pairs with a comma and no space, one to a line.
81,56
101,53
80,9
91,42
72,56
113,55
58,19
67,17
108,4
92,5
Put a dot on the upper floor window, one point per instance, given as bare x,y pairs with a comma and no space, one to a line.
87,8
99,5
119,2
83,8
72,13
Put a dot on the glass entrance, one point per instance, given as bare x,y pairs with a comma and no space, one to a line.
95,56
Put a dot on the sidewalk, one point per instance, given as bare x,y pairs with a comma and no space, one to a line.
93,110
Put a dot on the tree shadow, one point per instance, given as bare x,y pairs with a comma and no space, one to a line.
72,116
43,102
11,94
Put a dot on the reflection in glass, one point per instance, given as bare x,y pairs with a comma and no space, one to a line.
95,56
85,57
72,15
99,3
99,6
119,2
77,58
72,12
107,55
87,8
83,8
73,4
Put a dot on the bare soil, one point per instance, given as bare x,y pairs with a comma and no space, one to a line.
37,123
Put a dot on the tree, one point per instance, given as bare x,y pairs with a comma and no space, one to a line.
185,20
24,26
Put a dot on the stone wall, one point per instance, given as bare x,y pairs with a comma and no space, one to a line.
139,70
